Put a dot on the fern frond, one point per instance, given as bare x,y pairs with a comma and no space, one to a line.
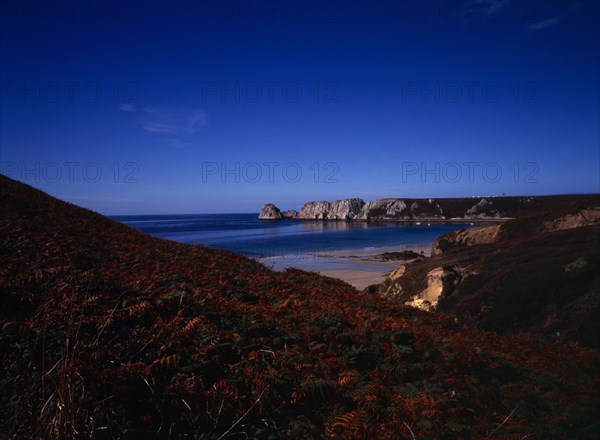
190,326
137,309
347,378
169,361
353,421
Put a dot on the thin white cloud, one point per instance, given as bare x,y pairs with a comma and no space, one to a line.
173,122
127,107
543,24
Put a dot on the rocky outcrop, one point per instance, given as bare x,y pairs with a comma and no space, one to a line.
401,210
483,210
315,210
465,237
397,255
291,214
526,226
492,209
539,273
395,208
390,288
441,282
585,217
377,210
347,209
270,212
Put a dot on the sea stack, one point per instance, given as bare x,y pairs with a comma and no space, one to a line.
270,212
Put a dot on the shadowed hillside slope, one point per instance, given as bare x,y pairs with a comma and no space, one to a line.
111,333
537,273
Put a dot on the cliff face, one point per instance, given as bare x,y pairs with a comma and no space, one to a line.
315,210
531,225
584,217
483,209
347,209
464,238
411,210
402,210
357,209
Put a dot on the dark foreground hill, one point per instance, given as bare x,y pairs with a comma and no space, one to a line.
110,333
538,273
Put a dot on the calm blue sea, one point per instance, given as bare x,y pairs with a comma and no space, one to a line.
245,234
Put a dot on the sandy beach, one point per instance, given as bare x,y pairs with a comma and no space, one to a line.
358,267
357,277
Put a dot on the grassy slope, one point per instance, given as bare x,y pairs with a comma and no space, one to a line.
110,333
529,280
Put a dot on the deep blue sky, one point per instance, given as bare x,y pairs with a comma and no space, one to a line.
161,97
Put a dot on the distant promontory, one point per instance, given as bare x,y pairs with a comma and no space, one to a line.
417,210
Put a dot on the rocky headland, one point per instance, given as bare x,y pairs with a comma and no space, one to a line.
539,273
418,210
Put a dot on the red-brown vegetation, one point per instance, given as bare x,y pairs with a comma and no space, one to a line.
110,333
